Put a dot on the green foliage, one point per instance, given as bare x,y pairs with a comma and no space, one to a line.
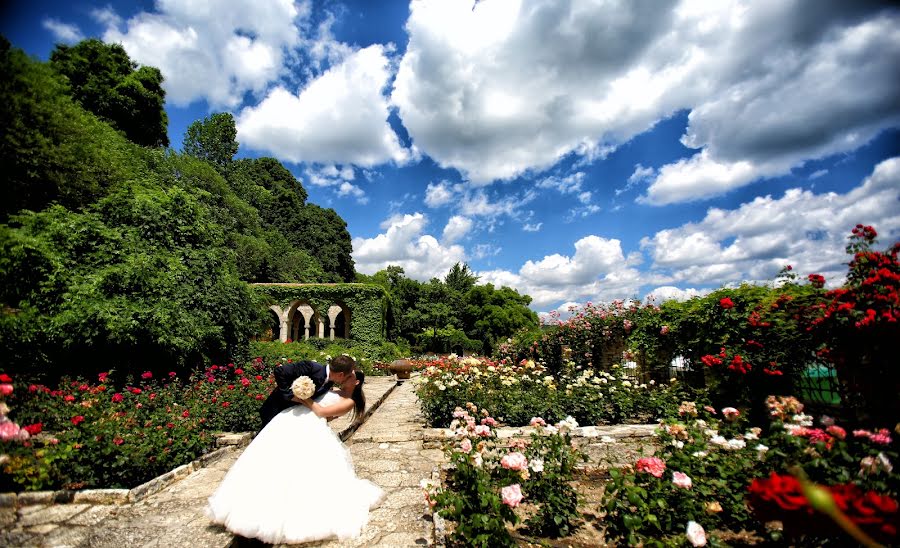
105,81
146,271
488,478
52,151
491,315
323,234
213,140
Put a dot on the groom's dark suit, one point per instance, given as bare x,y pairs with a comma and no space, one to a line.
281,396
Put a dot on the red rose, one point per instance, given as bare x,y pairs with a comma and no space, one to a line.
116,398
77,420
5,378
726,303
34,429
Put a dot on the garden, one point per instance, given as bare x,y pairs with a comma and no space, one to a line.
738,458
750,447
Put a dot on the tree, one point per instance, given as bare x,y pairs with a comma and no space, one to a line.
213,140
51,149
105,81
495,314
460,278
323,233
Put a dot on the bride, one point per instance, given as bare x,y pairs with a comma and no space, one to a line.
295,482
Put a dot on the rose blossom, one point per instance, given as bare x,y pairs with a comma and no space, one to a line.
730,413
465,445
537,465
537,421
836,431
713,507
514,461
682,480
511,495
652,465
695,534
482,430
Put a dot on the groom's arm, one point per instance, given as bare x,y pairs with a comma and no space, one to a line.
285,375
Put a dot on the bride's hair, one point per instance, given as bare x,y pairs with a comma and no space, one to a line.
359,397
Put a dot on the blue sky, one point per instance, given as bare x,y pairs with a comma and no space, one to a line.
574,150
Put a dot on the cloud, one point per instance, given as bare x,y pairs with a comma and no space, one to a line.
501,89
750,243
340,117
217,51
62,32
438,194
532,227
818,173
597,269
457,227
755,240
338,179
404,244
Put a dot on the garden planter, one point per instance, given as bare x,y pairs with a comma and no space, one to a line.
401,368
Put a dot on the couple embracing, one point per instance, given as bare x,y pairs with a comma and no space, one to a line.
295,482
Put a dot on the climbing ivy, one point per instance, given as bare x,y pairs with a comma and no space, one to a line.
366,303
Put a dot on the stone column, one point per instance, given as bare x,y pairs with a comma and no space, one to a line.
284,332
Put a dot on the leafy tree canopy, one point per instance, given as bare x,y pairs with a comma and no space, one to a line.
213,140
105,81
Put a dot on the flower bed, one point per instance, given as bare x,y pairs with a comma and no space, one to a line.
517,392
81,434
716,471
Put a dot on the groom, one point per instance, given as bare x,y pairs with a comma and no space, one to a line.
323,377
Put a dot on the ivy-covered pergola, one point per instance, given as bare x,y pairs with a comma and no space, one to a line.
326,311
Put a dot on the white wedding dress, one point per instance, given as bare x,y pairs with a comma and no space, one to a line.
294,483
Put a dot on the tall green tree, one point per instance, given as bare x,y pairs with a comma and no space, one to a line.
460,278
51,149
213,140
492,315
106,82
323,233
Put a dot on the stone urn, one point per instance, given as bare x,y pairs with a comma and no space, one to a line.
401,368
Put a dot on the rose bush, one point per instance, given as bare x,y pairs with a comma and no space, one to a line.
716,470
517,392
488,478
102,434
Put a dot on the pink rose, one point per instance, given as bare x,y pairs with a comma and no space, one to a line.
466,445
482,430
146,375
511,495
652,465
731,413
6,389
682,480
664,330
514,461
537,421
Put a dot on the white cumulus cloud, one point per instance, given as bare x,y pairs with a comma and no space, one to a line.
340,117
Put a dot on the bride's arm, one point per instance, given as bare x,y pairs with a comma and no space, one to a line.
329,411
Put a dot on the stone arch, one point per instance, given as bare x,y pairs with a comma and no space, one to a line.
299,317
276,324
338,322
